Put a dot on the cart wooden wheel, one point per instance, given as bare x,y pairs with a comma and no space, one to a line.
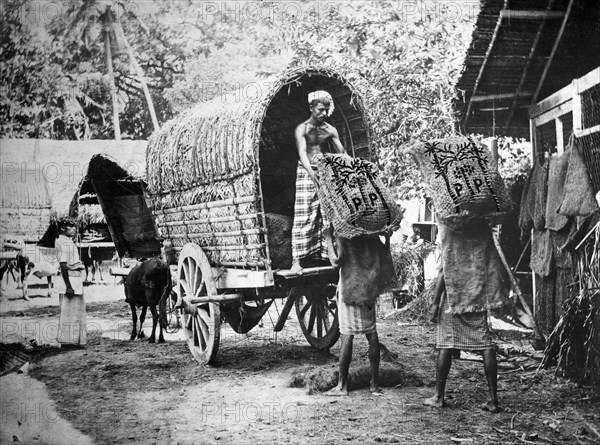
201,322
316,309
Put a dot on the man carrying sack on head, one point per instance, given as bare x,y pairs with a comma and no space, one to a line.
72,332
471,282
312,138
363,215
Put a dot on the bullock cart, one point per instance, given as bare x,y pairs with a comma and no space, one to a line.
220,185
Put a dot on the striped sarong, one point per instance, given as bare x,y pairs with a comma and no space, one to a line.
308,240
468,331
356,319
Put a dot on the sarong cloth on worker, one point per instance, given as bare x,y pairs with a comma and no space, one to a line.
355,319
469,331
72,319
473,272
308,240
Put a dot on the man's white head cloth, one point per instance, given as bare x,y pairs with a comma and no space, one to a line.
321,96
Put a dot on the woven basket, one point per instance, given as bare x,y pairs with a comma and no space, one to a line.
463,180
353,198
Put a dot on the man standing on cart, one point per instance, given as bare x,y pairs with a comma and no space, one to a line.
313,136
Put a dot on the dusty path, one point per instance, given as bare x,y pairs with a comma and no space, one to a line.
116,391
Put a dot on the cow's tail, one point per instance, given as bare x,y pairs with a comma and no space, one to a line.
162,303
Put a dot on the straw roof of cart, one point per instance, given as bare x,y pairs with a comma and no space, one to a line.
219,139
521,52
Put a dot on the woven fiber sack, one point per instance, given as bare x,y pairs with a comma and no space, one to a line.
353,198
463,180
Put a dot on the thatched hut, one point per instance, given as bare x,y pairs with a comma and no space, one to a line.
25,205
41,176
219,172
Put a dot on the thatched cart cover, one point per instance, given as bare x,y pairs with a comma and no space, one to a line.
121,197
214,172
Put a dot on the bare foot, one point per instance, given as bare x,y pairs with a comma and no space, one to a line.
336,392
376,391
434,401
297,269
491,406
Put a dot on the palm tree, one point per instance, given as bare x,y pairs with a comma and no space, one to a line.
95,18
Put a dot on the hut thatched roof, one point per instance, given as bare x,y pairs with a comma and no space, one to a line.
521,52
24,203
63,164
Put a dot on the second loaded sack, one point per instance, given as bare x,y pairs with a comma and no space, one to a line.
463,180
353,197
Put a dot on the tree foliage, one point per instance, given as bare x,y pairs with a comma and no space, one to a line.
403,57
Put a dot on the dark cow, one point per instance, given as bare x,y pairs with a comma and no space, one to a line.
92,257
148,285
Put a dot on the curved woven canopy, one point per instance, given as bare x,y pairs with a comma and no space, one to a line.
221,138
214,172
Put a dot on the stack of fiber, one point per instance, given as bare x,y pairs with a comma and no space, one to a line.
353,197
463,180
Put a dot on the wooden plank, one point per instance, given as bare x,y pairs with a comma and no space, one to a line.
487,97
119,271
305,272
589,80
530,14
240,278
552,52
213,299
587,131
561,96
562,109
101,244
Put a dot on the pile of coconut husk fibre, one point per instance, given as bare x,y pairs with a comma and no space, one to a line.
320,380
574,345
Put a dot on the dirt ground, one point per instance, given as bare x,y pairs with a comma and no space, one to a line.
117,391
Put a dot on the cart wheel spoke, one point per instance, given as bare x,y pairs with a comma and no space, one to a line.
202,322
201,290
320,322
307,306
311,319
316,304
